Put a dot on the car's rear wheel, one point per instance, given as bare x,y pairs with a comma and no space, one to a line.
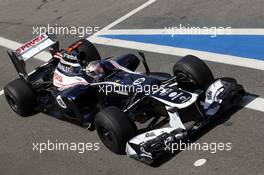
87,52
20,97
194,69
114,129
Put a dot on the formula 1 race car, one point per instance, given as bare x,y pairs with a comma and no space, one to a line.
127,108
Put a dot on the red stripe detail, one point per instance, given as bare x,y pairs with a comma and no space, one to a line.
58,55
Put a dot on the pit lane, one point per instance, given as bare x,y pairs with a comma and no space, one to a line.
243,128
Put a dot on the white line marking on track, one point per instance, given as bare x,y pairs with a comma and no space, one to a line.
1,92
233,31
199,162
136,10
208,56
252,102
43,56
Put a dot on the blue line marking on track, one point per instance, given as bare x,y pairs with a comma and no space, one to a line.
249,46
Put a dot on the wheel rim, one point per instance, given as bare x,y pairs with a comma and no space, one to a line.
106,136
185,76
12,102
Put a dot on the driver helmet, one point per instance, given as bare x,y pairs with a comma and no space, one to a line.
95,70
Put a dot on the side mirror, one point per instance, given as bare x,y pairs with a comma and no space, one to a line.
142,55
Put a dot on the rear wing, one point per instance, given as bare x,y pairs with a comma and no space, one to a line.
30,49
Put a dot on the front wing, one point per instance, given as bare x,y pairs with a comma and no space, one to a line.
221,96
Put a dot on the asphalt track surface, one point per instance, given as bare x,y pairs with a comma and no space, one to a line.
243,128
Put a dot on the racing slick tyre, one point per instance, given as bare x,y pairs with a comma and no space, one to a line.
114,129
194,68
87,52
20,97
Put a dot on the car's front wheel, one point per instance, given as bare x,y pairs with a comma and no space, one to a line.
193,68
114,129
